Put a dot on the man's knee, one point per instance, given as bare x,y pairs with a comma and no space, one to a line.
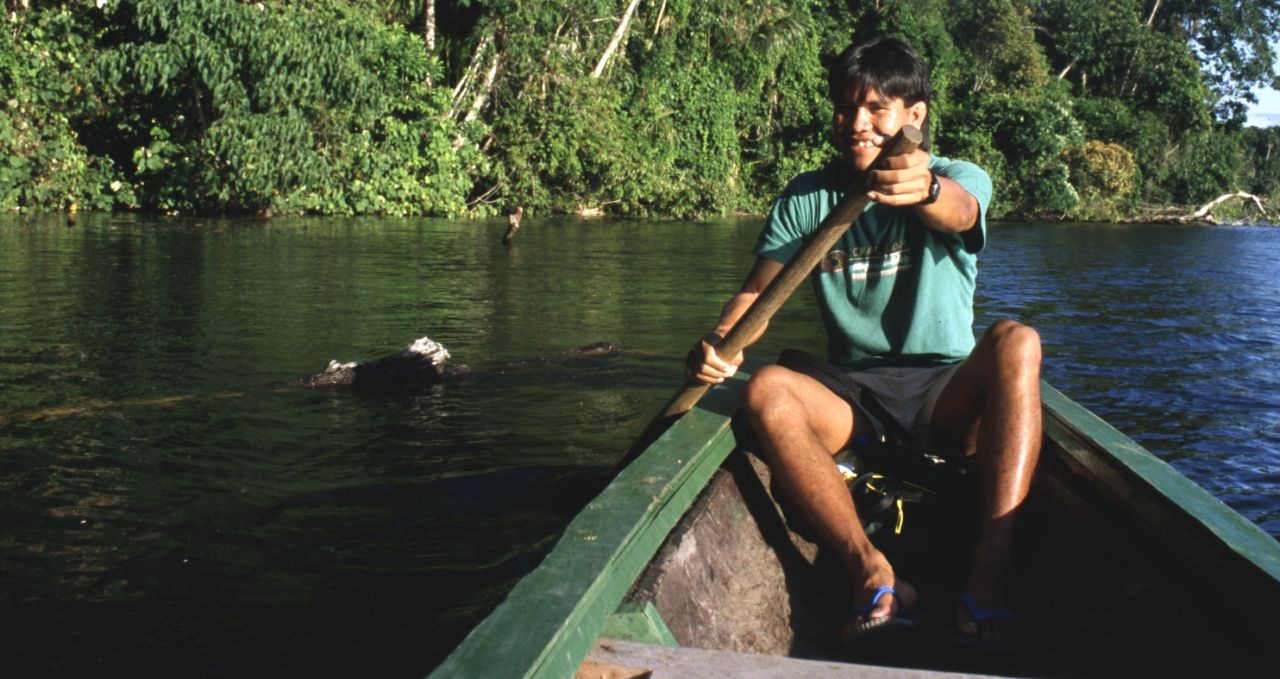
784,405
1011,342
767,391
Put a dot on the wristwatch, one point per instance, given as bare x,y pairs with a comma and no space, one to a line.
934,189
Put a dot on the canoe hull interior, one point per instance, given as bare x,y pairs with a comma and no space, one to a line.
733,576
1098,595
1123,567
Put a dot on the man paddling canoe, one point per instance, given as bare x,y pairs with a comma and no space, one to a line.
896,297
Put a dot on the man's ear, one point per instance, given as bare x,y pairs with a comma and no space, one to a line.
916,113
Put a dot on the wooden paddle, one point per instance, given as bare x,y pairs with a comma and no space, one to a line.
841,217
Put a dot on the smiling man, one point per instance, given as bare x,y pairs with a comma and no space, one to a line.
896,297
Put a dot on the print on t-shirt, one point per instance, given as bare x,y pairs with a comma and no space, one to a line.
868,263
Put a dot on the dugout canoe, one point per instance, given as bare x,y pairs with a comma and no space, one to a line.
685,566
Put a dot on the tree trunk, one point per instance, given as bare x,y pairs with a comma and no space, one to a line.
429,30
429,25
1133,58
464,83
617,38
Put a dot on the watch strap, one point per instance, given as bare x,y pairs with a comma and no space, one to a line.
935,187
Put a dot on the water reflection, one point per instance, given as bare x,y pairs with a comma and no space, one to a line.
1170,333
175,504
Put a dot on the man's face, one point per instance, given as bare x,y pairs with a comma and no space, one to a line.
864,121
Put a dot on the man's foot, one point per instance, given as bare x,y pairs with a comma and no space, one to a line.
984,618
988,629
884,612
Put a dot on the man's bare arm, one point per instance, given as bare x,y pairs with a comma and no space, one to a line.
704,364
905,182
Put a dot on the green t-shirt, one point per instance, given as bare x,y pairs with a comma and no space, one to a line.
892,291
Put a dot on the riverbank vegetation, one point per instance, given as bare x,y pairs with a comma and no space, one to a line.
1079,109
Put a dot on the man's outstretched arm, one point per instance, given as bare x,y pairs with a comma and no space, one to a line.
905,181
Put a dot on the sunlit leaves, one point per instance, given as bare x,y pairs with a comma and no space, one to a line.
43,164
1105,177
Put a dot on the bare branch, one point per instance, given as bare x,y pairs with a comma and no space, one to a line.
617,38
1204,213
1067,70
1151,18
482,97
662,11
480,100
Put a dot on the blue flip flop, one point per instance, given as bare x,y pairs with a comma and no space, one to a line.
879,629
980,614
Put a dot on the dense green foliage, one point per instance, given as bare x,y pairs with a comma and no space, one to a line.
1088,109
200,105
223,105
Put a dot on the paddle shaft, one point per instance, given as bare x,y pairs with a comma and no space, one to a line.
757,316
833,226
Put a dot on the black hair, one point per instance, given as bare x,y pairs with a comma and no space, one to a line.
886,65
890,66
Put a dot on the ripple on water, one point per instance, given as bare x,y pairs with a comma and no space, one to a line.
180,505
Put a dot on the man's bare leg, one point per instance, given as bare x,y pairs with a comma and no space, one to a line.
801,425
995,398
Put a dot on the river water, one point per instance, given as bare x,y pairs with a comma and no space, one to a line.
173,503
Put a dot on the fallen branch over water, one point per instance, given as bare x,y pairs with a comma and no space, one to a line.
1204,215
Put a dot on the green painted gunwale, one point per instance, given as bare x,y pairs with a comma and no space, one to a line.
1241,559
553,616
